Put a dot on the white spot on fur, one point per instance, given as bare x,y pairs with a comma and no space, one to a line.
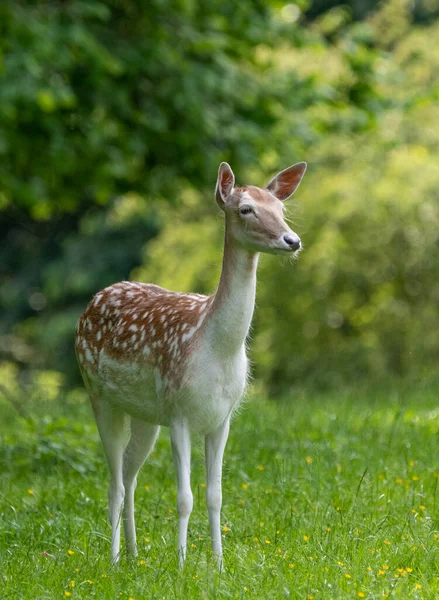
187,336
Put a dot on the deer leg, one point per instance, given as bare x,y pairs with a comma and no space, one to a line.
142,440
111,425
214,449
181,452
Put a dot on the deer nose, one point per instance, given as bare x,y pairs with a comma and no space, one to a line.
293,242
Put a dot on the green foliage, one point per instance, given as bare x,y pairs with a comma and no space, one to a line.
111,137
342,503
360,301
115,97
100,100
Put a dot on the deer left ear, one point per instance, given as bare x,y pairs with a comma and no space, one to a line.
225,184
287,181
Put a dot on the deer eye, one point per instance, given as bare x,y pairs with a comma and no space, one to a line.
246,210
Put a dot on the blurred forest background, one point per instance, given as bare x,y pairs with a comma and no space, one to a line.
114,117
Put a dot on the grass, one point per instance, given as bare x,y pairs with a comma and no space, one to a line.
325,496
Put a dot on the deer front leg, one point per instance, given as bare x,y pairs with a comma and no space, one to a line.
215,444
181,452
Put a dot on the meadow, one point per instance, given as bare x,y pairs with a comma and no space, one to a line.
325,496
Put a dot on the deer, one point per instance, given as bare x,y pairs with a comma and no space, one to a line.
150,357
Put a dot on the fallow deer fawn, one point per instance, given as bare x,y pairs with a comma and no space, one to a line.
157,357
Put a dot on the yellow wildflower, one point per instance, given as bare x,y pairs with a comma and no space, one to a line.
308,459
70,552
260,467
305,538
244,486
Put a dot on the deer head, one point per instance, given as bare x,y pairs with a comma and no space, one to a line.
255,216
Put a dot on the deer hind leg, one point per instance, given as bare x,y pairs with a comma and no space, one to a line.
214,450
143,437
181,452
111,424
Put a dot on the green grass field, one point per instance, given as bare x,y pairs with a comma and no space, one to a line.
324,497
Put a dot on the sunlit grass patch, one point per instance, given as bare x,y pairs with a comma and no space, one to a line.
326,496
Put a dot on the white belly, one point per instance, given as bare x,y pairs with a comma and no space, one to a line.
212,388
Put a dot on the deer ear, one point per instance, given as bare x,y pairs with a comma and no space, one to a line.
287,181
225,184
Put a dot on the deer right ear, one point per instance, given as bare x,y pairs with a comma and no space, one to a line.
225,184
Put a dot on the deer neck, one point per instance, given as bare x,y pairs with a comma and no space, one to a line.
231,312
